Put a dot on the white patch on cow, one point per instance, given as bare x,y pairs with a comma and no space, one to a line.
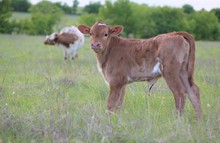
99,68
129,79
51,36
101,24
156,69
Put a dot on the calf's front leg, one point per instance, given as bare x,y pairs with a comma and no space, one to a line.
116,97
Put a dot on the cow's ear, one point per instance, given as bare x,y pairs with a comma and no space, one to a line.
84,29
116,30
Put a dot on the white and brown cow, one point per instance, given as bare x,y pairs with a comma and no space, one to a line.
122,61
70,38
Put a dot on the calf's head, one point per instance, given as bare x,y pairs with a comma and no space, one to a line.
51,39
100,34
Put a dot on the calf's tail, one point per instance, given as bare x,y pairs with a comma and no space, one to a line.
191,61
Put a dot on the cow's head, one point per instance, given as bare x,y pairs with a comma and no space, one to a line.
100,34
51,39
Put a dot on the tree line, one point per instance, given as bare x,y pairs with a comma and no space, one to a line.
24,5
139,20
143,21
44,15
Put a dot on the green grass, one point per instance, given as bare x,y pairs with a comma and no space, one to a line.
44,99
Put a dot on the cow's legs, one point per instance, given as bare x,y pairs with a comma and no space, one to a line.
177,88
191,88
116,97
65,55
196,91
73,54
193,93
121,98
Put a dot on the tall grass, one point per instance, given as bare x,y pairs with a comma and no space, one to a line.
44,99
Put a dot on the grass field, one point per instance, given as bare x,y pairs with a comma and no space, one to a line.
44,99
66,20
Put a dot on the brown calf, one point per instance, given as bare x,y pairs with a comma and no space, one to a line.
122,61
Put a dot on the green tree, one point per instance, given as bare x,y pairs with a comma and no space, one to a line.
144,21
151,21
144,25
93,7
119,12
75,6
216,11
169,19
188,9
44,16
89,19
67,9
205,26
46,7
5,14
20,5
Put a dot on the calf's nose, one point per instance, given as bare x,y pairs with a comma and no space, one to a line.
95,45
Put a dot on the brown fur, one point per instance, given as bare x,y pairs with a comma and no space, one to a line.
124,61
64,38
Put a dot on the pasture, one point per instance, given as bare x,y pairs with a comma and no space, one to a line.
44,99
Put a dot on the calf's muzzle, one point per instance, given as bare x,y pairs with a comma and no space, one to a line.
95,45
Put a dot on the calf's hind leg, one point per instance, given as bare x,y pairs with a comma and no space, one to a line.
195,89
171,74
174,83
191,88
193,93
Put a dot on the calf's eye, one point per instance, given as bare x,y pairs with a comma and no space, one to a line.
106,35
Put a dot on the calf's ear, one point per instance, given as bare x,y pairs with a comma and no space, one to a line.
116,30
84,29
